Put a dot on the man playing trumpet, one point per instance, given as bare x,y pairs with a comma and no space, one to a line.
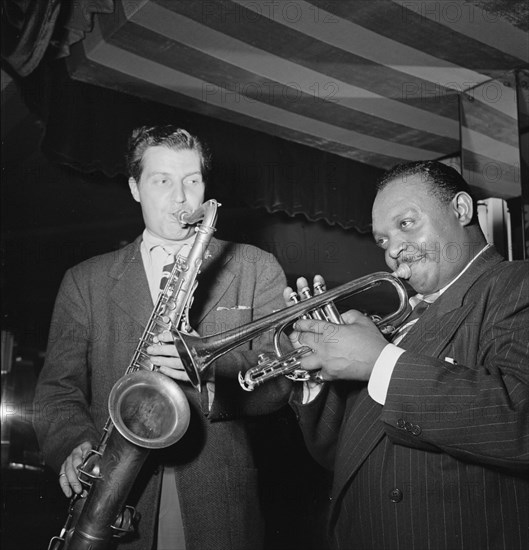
428,435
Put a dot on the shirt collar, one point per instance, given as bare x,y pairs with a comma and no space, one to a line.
152,241
432,297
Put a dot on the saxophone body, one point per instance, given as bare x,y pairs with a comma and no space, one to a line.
147,411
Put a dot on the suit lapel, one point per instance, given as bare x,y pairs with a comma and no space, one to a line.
438,324
131,290
215,278
131,281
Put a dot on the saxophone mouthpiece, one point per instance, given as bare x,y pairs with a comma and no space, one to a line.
182,217
403,271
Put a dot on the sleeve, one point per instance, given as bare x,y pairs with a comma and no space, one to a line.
475,412
267,289
61,416
320,420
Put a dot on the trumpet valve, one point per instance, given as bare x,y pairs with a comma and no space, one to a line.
294,298
319,287
305,293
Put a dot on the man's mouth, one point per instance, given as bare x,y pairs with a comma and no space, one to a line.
177,216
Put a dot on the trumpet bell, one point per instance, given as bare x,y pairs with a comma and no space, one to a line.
192,357
149,409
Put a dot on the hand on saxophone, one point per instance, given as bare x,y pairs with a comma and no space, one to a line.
68,476
164,355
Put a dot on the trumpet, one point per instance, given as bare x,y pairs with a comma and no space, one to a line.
198,353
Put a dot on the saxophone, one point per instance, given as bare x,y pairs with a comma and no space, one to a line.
147,411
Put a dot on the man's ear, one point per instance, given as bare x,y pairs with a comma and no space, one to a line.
463,207
134,189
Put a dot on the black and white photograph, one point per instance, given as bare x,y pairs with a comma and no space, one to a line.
265,275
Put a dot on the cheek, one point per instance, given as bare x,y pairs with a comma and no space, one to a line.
197,193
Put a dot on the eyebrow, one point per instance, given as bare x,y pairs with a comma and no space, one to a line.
163,173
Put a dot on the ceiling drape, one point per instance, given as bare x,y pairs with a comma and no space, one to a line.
87,127
303,103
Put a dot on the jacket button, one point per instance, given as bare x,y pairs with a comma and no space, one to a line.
416,429
408,426
401,423
395,495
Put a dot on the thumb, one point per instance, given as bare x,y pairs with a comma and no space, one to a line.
352,316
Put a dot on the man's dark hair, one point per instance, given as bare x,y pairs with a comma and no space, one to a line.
443,181
169,136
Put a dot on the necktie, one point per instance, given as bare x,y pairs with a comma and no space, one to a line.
167,270
417,311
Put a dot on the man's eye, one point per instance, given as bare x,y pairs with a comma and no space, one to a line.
194,181
381,242
405,223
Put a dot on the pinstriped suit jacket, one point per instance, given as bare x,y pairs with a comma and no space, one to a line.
100,312
445,462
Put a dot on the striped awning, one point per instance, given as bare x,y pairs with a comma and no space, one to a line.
378,81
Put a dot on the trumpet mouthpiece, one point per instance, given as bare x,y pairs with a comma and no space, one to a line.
403,271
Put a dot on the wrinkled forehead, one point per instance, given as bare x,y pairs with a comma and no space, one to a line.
399,196
159,156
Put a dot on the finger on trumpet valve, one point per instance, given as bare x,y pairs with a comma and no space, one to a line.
330,311
303,288
305,293
293,297
319,284
317,314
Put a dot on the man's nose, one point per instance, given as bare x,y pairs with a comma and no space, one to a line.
394,248
401,250
178,193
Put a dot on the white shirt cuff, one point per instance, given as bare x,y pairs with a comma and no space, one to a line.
310,391
211,393
381,374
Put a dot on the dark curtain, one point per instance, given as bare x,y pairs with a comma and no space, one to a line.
87,126
33,29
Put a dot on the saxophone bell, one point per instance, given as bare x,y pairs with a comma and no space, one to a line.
149,409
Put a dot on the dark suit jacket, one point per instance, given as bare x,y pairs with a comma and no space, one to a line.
445,462
101,310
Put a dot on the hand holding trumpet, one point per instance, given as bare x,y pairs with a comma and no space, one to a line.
345,351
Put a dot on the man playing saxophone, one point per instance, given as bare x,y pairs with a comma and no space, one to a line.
201,492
